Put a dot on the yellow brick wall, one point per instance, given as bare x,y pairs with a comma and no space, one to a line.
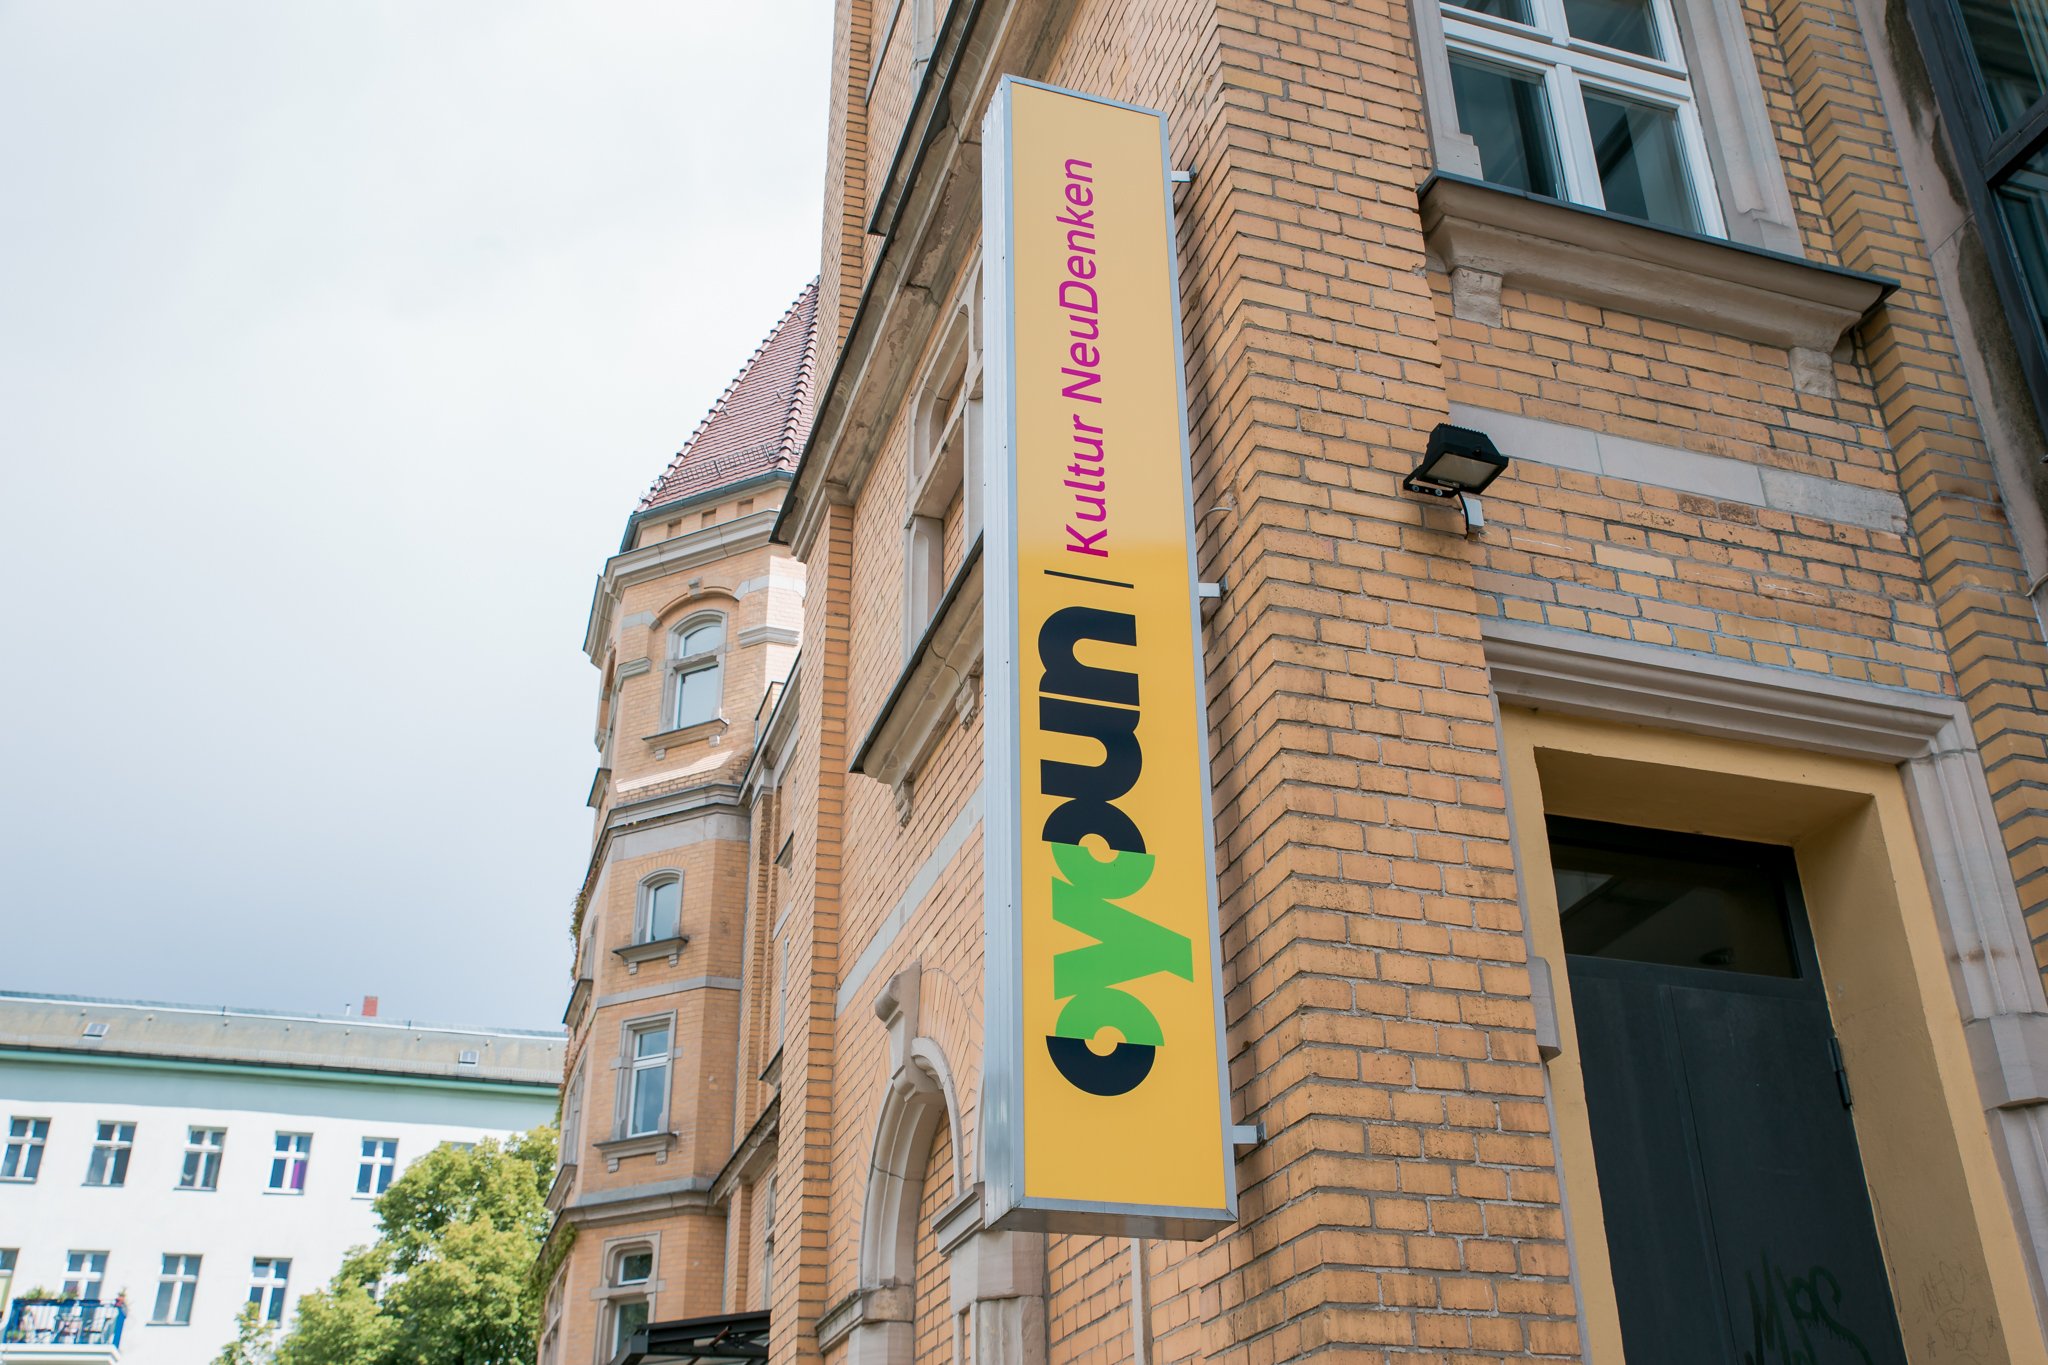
1974,574
1406,1202
711,1097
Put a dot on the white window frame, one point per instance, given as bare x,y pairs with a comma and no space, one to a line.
287,1150
176,1286
681,666
85,1270
1568,66
768,1190
22,1160
1754,200
947,455
643,911
633,1066
204,1152
112,1145
551,1325
572,1119
270,1278
379,1166
620,1292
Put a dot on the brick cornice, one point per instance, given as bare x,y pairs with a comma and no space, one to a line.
691,550
931,214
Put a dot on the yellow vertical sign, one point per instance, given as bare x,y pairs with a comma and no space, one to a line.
1107,1102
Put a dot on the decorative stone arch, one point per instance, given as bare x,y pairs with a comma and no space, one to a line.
700,596
999,1276
878,1320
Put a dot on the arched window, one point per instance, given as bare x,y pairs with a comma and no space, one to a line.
696,672
627,1280
660,915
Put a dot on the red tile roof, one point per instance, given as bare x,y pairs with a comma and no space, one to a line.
758,425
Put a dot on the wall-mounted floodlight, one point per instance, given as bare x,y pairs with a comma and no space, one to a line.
1459,463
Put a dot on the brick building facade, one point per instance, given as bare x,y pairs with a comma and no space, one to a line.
1565,866
693,627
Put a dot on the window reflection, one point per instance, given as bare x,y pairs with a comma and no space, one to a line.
2023,204
1506,115
1641,173
1624,24
2010,41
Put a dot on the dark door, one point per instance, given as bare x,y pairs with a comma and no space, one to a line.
1737,1216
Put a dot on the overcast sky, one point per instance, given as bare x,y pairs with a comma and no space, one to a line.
337,341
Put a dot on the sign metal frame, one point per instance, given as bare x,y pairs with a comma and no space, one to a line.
1008,1203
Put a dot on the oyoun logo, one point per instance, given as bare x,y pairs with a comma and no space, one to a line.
1100,704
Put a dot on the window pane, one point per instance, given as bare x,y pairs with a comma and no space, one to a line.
635,1266
1517,10
2023,204
2011,44
1625,24
664,910
650,1087
1647,904
701,640
651,1043
1642,173
697,696
1508,117
632,1316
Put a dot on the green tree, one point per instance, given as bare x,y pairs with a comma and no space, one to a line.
449,1279
255,1340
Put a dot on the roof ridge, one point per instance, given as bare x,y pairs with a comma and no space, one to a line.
806,376
795,420
297,1016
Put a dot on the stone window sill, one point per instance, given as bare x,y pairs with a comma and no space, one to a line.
940,680
579,998
558,1190
664,740
633,954
1487,236
617,1149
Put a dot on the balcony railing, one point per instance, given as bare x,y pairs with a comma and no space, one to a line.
64,1322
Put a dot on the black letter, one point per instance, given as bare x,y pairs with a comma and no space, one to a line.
1067,676
1117,1074
1088,791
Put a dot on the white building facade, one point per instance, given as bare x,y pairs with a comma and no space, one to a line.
163,1165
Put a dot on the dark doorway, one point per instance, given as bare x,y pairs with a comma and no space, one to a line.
1737,1216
